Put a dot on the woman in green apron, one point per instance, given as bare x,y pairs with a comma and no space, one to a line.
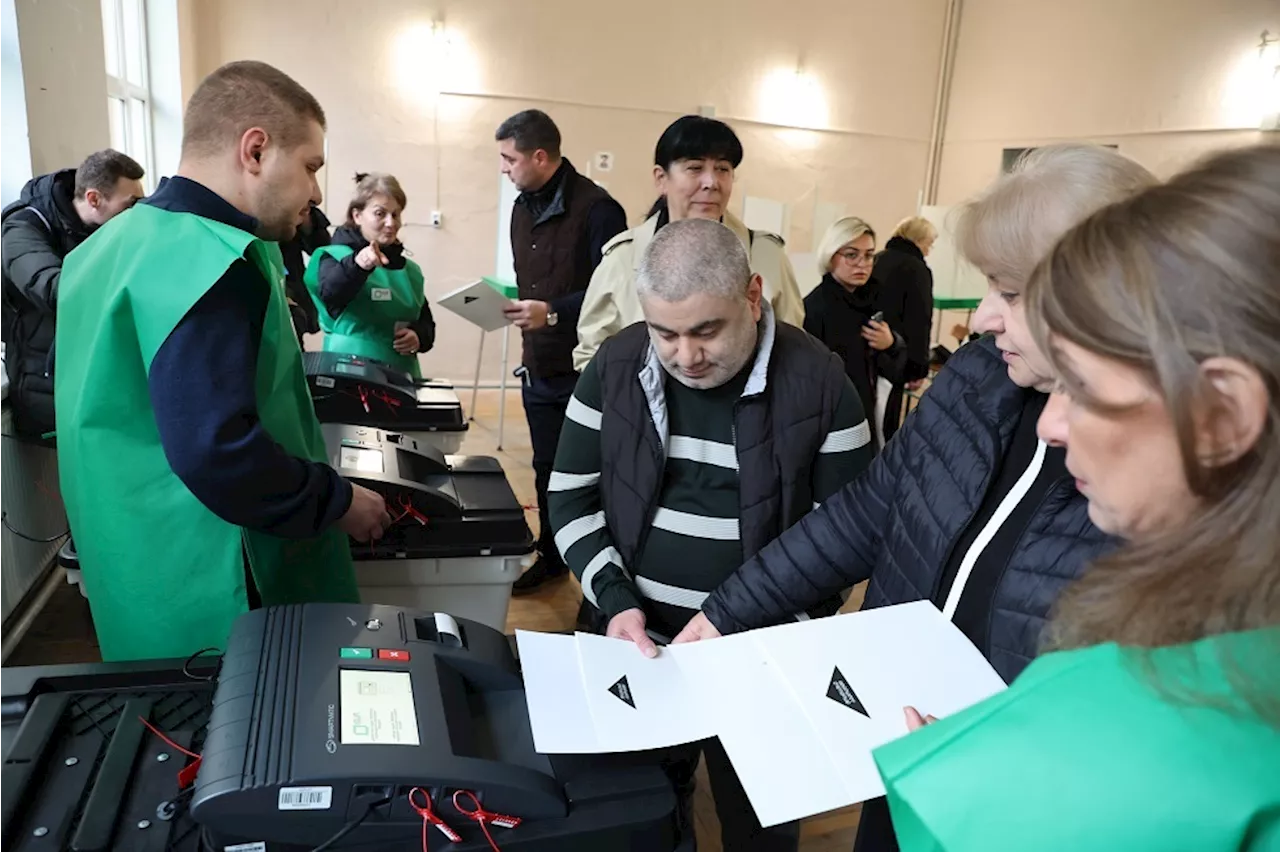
368,294
1155,724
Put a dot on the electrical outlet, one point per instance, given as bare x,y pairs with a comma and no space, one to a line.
437,218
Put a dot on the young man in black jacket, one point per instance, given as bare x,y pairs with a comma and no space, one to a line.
694,439
54,214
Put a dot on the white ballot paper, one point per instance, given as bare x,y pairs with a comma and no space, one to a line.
798,707
479,304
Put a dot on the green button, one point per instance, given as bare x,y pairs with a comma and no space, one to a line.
357,653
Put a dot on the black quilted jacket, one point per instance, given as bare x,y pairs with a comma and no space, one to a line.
897,523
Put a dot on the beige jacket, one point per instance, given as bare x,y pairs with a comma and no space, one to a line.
611,303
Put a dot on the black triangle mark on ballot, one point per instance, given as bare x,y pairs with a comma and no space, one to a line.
622,690
841,692
466,300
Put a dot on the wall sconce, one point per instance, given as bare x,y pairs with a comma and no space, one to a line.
793,98
428,58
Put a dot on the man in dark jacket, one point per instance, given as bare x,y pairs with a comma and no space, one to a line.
559,227
54,214
312,234
692,440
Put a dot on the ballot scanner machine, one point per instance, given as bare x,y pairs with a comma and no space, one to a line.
322,721
352,389
458,536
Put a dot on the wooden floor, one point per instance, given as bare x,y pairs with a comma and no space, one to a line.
64,632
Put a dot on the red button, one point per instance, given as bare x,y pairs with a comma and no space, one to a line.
390,654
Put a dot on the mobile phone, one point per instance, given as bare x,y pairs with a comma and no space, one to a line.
878,316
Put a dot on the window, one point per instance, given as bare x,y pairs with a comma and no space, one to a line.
124,29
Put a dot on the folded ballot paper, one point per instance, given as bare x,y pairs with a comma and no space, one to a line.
798,707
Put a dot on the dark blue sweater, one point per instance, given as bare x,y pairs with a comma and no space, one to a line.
202,385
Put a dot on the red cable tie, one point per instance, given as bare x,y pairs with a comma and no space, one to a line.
430,817
407,509
481,816
153,729
364,397
187,775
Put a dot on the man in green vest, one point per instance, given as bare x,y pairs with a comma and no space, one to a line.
192,464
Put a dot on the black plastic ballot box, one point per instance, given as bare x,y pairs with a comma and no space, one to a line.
365,392
321,719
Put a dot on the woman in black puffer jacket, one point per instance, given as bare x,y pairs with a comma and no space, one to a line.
966,507
907,285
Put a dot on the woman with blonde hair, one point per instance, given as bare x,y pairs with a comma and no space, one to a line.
846,311
965,507
907,283
370,296
1157,725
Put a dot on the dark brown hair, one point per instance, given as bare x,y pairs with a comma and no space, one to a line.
1161,282
102,170
367,186
242,95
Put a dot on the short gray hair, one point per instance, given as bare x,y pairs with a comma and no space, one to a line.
693,256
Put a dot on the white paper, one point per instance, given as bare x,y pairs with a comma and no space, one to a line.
762,730
765,214
639,703
479,304
806,702
558,711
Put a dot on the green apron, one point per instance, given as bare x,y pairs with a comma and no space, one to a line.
165,576
367,326
1087,751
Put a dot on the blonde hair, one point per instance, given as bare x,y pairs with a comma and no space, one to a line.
917,229
1162,282
1011,226
841,233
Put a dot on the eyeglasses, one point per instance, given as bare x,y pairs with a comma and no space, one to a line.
857,258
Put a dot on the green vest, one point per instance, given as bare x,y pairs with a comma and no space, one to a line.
1097,750
164,575
367,326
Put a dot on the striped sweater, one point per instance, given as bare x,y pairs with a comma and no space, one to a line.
694,543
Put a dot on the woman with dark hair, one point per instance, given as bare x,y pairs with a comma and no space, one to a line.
694,164
1156,722
369,295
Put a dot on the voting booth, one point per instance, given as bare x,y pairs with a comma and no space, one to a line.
458,535
353,389
335,726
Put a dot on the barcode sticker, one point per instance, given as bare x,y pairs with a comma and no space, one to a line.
305,798
246,847
324,382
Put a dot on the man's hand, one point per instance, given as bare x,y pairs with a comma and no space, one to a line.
367,519
369,257
698,628
629,625
528,313
878,335
915,721
406,342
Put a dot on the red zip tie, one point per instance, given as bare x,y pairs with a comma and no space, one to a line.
187,775
407,510
481,816
430,817
153,729
364,397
